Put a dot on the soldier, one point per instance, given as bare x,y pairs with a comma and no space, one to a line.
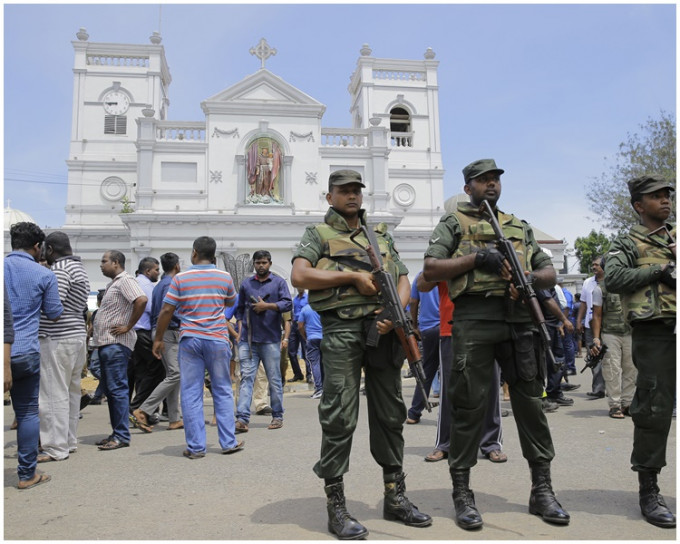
335,270
641,267
488,325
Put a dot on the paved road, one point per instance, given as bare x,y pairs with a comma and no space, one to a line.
269,492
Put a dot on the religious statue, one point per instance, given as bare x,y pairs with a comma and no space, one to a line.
263,168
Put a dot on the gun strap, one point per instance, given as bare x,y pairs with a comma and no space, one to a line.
352,263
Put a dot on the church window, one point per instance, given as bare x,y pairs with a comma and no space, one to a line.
264,160
400,128
115,124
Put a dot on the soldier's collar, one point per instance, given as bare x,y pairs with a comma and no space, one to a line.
338,222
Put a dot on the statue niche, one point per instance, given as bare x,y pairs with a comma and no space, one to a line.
263,171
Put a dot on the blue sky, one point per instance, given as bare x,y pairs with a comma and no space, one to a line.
549,91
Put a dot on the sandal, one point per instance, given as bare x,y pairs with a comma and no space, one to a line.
114,444
616,413
276,424
42,479
436,455
237,447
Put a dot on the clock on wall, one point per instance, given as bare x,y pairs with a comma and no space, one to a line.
116,102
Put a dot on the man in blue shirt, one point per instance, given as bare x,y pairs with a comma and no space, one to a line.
309,326
168,388
31,288
262,299
425,316
296,341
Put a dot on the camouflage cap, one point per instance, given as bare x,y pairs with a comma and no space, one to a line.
343,177
480,167
648,184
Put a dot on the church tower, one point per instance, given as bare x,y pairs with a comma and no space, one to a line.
114,84
403,96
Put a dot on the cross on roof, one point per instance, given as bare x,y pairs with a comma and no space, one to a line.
262,51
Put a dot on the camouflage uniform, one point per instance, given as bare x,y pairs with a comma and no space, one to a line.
345,317
633,268
488,326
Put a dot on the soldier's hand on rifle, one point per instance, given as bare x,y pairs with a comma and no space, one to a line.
493,261
364,284
594,348
384,326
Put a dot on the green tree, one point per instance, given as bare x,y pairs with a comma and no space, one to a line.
652,150
589,247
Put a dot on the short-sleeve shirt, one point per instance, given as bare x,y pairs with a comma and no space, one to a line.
312,321
200,295
428,307
115,311
597,296
443,244
74,288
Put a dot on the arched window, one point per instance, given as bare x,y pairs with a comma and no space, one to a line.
400,127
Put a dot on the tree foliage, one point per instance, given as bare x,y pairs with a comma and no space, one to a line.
651,151
589,247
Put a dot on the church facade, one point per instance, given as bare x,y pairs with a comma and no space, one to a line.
253,173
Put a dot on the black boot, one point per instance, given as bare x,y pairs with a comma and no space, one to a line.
542,501
652,505
397,507
467,515
340,523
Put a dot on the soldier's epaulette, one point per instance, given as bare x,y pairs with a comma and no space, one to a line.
381,228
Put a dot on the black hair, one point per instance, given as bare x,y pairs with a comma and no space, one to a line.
61,245
169,261
262,254
24,235
146,264
205,247
100,294
117,256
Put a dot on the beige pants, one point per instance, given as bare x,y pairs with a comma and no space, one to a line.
61,363
618,370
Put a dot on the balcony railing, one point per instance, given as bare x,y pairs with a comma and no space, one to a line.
168,131
399,75
338,137
401,139
108,60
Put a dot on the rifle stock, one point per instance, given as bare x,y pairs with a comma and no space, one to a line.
393,310
525,288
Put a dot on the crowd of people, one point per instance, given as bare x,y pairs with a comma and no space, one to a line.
156,342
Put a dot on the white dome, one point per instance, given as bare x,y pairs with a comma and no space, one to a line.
16,216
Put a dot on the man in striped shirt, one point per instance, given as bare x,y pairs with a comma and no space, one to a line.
62,353
122,306
200,296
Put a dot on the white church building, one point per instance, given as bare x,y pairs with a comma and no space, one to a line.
253,173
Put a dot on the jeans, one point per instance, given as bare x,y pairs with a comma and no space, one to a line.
250,357
196,355
314,358
296,341
430,342
24,392
554,378
114,359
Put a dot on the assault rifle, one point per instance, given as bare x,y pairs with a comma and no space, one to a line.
392,310
592,361
525,288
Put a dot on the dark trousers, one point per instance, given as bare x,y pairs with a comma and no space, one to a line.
148,371
343,354
476,346
296,341
430,355
552,388
652,406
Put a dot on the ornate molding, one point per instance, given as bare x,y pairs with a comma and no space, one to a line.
217,133
215,176
113,189
294,136
310,178
404,195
